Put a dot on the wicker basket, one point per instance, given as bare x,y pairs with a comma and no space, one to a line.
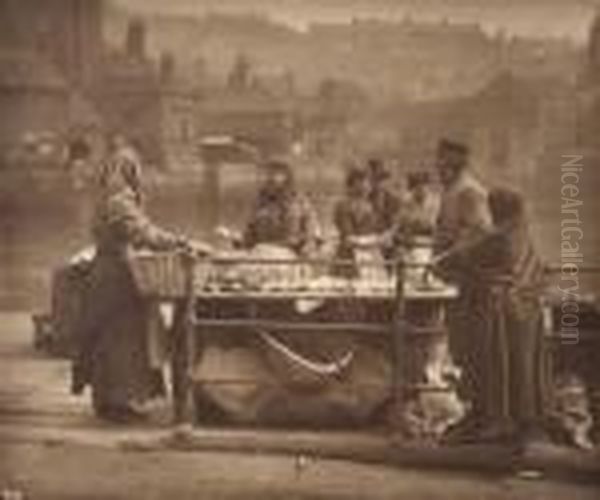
159,274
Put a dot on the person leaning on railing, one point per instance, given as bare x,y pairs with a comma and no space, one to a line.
112,355
511,279
464,215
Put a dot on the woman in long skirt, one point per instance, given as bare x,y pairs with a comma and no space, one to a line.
113,357
511,278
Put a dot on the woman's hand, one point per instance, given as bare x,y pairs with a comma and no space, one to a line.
193,248
200,248
231,236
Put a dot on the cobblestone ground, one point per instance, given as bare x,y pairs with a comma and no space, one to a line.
52,448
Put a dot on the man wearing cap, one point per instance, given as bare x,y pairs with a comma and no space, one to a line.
464,217
281,215
464,212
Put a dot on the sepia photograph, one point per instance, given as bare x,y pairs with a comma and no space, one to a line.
299,249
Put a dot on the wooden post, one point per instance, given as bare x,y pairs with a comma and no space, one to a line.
212,193
398,342
184,357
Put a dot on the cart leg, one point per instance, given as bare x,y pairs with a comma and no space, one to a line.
189,404
178,364
182,364
398,375
398,348
185,351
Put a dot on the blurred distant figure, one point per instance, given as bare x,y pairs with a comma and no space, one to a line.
354,217
386,204
79,149
120,146
80,166
281,215
420,210
570,414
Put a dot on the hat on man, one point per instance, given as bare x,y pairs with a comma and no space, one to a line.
377,169
452,155
355,174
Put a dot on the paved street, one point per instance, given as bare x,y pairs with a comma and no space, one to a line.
53,448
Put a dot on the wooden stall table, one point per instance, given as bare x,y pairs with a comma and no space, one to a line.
413,314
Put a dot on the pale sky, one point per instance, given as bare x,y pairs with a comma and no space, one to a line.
556,18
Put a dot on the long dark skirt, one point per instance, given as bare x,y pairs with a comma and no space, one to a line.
113,356
514,380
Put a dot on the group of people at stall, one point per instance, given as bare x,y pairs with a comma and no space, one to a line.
482,242
369,210
481,238
496,325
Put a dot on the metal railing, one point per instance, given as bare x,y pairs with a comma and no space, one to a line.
397,326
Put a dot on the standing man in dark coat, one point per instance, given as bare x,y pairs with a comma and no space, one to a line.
464,217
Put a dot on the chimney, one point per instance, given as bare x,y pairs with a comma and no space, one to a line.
136,39
167,67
